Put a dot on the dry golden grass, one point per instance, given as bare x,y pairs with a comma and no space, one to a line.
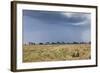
37,53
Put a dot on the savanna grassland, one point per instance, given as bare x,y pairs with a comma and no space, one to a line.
37,53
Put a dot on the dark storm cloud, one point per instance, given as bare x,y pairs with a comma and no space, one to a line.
56,18
49,26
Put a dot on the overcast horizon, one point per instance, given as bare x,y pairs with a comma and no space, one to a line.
54,26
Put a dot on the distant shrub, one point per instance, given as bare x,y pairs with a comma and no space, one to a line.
53,43
31,43
75,42
47,43
40,43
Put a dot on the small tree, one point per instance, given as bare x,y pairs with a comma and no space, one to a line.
58,43
68,43
81,42
63,43
47,43
89,42
31,43
53,43
75,43
40,43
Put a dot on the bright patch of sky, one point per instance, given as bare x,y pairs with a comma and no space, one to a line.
53,26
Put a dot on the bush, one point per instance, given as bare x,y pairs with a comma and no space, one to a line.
40,43
75,54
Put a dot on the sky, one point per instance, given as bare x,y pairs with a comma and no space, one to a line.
53,26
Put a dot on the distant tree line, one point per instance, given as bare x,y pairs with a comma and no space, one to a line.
55,43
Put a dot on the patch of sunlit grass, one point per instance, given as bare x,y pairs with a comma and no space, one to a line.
37,53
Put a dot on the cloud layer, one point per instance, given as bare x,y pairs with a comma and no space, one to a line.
52,26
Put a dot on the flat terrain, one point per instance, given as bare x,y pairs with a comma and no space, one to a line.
37,53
